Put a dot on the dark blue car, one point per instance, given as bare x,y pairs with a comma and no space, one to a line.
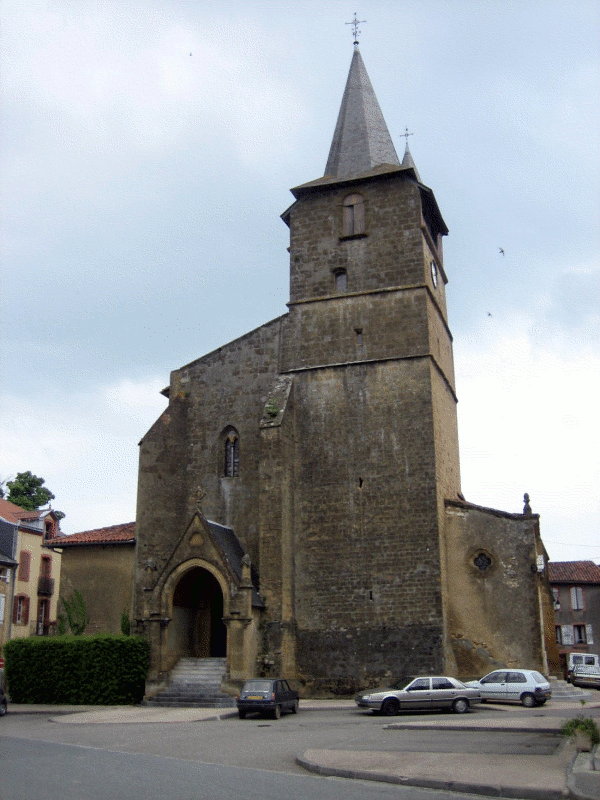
268,696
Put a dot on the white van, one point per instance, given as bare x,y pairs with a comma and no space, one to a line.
583,669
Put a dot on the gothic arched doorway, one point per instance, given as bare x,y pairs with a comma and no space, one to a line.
197,627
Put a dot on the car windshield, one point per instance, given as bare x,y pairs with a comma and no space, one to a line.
257,686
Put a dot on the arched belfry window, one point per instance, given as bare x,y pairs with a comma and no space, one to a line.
353,215
232,453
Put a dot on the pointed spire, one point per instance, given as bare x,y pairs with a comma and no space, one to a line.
361,140
408,161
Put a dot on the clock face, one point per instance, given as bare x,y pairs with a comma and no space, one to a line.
434,274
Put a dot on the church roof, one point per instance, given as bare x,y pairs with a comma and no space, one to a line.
361,140
233,551
573,572
113,534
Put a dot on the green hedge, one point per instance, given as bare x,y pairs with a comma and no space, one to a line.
76,670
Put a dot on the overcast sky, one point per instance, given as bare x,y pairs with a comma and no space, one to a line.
148,149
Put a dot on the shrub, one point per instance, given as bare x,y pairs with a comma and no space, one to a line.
583,724
77,670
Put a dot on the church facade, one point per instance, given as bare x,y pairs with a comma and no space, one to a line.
299,501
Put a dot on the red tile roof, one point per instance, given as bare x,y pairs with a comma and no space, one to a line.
114,534
14,513
573,572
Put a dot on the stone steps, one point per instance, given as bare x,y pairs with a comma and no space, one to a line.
561,690
195,683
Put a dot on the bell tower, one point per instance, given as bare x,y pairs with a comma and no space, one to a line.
367,344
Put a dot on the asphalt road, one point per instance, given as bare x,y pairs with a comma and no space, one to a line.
33,770
218,759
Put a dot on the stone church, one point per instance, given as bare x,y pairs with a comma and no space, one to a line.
299,501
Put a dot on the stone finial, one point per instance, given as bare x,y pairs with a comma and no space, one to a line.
246,581
526,507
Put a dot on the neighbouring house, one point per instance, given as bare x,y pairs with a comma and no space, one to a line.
8,547
34,591
100,565
576,589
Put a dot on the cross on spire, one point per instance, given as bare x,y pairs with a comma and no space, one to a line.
355,29
406,134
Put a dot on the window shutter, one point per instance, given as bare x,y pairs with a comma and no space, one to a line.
589,635
576,598
24,565
567,634
25,619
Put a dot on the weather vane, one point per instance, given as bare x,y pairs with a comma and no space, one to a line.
355,29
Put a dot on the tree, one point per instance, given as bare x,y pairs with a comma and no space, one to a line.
28,491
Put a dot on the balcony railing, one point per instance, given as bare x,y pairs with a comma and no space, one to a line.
45,586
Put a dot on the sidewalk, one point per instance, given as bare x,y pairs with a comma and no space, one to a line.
565,773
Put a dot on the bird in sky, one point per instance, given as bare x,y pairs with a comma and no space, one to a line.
501,251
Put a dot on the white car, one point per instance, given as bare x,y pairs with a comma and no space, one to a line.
526,686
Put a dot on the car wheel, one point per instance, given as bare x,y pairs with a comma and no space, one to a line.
460,705
390,707
276,712
528,700
294,708
241,714
2,709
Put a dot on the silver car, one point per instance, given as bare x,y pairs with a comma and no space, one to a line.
435,691
526,686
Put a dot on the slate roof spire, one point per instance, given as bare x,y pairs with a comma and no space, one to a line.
408,161
361,140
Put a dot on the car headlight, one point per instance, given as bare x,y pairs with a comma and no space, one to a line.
366,697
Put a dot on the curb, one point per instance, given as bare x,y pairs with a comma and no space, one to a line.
426,783
399,726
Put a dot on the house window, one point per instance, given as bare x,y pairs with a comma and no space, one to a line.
5,574
341,280
46,568
2,602
353,215
558,630
556,595
21,610
576,598
24,565
43,616
232,454
579,633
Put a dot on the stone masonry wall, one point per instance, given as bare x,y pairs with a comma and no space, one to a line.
494,614
183,453
390,255
366,525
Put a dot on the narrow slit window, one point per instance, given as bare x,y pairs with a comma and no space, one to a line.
341,280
